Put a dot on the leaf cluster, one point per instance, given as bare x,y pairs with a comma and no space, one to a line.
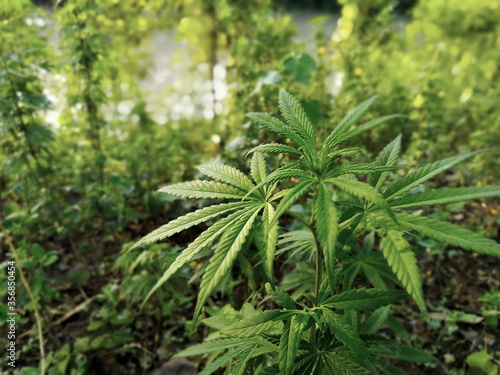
335,325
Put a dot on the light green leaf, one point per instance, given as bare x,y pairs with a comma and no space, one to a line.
280,194
376,320
389,369
201,242
364,299
446,195
218,322
401,352
300,68
297,119
344,332
374,274
225,359
210,347
363,191
297,240
265,347
484,361
343,127
227,174
374,266
224,256
189,220
243,358
308,363
289,343
298,191
270,239
291,170
288,171
389,157
359,189
203,189
327,227
276,148
258,323
283,347
423,174
450,234
332,160
303,235
366,126
280,296
276,126
348,151
349,272
403,262
258,167
361,169
341,363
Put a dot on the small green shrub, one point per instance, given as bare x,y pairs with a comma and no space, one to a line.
332,328
444,78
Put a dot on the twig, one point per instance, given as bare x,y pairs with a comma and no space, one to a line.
76,310
38,318
138,346
68,315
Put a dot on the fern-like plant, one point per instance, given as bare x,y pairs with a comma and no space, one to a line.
333,327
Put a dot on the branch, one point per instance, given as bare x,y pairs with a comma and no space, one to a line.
38,318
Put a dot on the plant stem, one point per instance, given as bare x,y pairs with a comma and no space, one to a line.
299,218
319,270
319,266
318,279
38,317
22,124
86,64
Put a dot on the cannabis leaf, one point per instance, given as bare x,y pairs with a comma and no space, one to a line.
450,234
445,195
403,262
423,174
363,299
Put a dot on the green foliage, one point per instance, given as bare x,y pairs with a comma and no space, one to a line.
73,175
87,134
333,311
444,78
482,361
300,68
491,308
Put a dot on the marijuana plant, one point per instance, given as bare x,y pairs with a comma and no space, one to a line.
332,328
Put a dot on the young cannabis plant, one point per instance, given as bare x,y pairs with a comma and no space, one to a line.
333,328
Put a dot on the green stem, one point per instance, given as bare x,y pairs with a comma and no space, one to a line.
347,222
299,218
24,281
319,269
319,264
317,283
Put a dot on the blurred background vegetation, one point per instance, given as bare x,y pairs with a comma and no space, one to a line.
104,101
